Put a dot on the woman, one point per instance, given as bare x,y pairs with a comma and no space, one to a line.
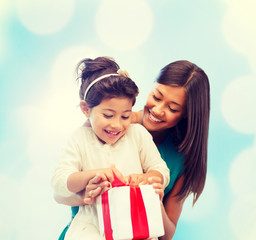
177,116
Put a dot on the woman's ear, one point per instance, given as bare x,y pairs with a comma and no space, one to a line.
85,108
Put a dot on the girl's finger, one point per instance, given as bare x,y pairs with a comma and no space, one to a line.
127,179
117,173
100,176
143,183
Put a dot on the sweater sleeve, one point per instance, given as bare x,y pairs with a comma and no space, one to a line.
70,162
149,154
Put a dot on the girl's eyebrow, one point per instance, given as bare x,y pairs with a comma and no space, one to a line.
111,110
171,101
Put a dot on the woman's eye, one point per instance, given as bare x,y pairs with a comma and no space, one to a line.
173,110
156,98
107,116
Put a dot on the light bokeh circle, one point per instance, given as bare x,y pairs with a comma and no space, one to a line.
239,26
8,205
45,16
124,24
242,219
242,178
242,175
57,113
238,104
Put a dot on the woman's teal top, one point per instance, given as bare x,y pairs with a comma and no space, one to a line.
174,161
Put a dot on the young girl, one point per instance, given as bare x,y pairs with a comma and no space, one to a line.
107,96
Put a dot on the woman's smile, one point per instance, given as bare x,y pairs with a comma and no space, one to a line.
152,118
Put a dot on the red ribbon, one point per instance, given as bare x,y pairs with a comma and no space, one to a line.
138,212
106,216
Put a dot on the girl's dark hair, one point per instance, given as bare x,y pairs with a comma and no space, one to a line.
109,87
192,131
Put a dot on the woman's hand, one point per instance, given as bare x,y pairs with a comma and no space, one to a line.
156,182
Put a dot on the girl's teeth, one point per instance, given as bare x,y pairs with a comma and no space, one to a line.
113,133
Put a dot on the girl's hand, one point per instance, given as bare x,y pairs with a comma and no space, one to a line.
136,179
94,187
107,174
157,185
101,180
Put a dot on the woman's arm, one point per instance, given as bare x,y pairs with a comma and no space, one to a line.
171,210
74,200
136,117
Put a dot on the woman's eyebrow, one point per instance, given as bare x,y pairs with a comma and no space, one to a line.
176,103
159,92
170,101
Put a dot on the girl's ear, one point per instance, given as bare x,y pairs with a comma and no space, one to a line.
85,108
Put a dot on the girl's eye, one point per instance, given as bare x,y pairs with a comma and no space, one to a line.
124,117
107,116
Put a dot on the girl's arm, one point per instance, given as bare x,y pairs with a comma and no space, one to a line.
171,210
95,180
78,181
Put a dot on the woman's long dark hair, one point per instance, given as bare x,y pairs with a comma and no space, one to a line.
192,131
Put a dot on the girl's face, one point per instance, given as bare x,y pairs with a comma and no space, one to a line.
165,107
110,119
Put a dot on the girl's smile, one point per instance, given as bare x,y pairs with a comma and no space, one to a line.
110,119
112,134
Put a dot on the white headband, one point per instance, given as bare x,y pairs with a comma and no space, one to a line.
97,80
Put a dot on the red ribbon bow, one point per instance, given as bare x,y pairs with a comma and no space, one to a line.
138,212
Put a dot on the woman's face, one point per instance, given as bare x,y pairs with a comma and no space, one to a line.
165,107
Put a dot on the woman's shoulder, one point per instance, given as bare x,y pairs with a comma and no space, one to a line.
137,117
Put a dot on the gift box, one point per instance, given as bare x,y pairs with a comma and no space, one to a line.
129,212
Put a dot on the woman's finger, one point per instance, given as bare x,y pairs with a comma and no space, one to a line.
152,180
89,200
95,192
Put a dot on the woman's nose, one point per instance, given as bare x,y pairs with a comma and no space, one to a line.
158,110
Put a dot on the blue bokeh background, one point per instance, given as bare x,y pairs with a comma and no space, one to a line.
40,44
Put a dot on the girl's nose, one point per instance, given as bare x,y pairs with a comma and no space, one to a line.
115,123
